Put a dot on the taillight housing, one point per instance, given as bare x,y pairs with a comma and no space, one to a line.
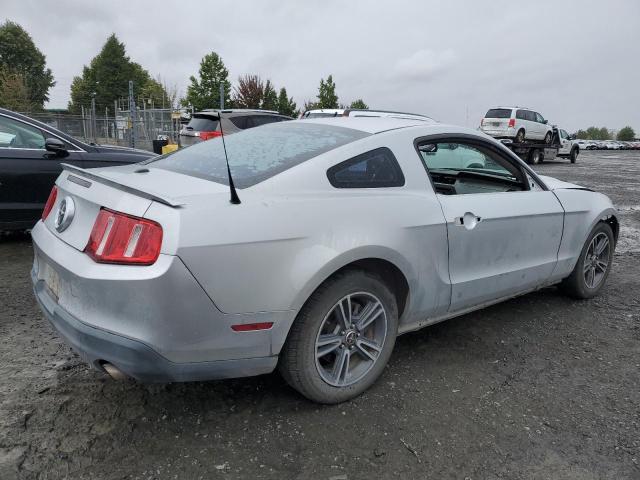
210,135
123,239
512,122
50,202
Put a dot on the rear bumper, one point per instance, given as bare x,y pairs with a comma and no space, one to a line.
134,358
499,133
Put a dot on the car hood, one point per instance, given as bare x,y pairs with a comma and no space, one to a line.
555,184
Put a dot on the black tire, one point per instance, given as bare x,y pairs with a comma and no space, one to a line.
298,364
575,285
536,156
574,155
548,137
520,136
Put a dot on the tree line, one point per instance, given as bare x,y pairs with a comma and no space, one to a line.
625,134
25,82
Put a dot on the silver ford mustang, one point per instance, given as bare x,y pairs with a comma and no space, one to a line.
348,232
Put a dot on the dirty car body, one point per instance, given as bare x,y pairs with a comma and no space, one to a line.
320,198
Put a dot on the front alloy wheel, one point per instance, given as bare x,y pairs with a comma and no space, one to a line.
594,264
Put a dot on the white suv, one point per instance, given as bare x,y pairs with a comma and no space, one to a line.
518,123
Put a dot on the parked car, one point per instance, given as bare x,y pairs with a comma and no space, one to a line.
358,112
517,123
586,145
346,232
31,154
205,124
569,147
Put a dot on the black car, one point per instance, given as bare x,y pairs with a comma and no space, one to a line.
30,156
205,124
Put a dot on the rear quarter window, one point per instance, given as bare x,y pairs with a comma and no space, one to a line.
374,169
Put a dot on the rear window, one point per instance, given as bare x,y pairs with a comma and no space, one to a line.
498,113
203,123
257,154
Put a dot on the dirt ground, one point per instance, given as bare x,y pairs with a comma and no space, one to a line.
540,387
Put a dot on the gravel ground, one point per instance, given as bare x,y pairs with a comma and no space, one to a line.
538,387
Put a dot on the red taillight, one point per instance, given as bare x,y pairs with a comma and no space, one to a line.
50,201
512,122
120,238
251,327
209,135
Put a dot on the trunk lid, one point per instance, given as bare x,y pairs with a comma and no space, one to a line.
129,189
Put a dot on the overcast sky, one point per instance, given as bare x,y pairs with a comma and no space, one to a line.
576,62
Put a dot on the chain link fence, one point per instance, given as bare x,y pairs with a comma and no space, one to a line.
119,129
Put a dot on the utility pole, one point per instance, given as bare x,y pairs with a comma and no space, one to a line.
93,118
222,96
132,116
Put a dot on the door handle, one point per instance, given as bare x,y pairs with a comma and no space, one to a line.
469,220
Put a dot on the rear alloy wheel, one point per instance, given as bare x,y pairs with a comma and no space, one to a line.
342,338
520,136
574,155
548,137
594,264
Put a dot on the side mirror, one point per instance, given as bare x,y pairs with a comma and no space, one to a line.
571,137
429,148
55,145
545,121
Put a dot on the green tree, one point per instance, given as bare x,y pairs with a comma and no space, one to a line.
19,56
14,93
327,97
269,97
155,93
204,92
286,105
626,134
107,77
582,134
359,103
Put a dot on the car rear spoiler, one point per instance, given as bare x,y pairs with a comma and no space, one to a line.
125,188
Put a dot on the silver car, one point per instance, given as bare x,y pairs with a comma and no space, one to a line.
349,231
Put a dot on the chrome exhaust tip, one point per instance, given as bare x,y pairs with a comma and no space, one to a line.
113,372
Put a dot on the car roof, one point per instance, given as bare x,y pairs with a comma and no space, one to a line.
370,124
514,107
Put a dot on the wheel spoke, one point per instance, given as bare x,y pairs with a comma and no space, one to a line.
363,346
369,314
345,314
590,278
601,245
341,366
327,344
602,266
587,267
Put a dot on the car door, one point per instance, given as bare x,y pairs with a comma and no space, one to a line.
504,229
541,125
565,143
27,172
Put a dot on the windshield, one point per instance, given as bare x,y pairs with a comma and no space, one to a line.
259,153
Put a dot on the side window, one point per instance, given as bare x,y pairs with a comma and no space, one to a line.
531,116
375,169
539,118
15,134
521,115
563,134
458,168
